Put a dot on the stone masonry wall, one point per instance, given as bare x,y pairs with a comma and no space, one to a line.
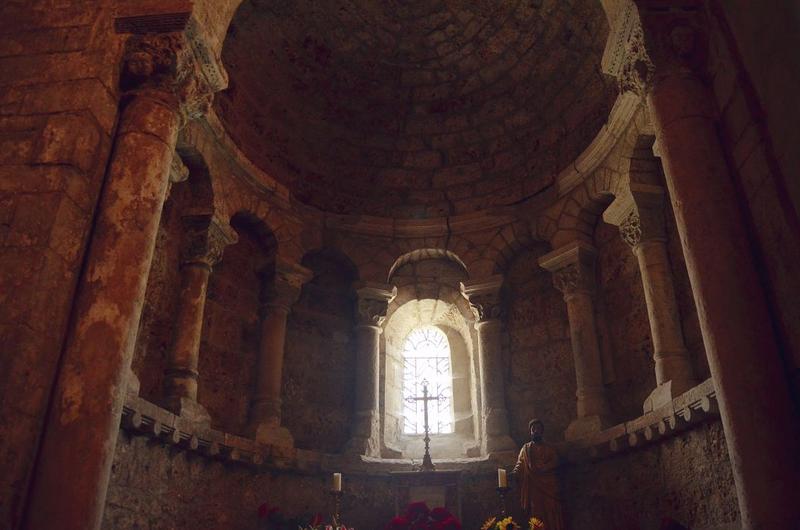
58,108
232,326
154,487
687,477
319,365
540,376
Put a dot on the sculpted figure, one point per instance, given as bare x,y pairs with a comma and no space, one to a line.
538,483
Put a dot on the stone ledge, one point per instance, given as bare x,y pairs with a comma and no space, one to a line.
143,418
686,411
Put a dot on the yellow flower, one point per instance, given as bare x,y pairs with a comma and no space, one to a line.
489,523
535,524
507,524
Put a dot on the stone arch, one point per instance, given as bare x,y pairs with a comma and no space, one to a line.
425,254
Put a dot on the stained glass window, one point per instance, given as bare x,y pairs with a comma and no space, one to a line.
426,359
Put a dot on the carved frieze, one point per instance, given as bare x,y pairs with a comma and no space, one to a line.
631,229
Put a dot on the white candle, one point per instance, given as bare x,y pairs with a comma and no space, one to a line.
502,478
337,482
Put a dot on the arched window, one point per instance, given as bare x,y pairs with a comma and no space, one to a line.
426,360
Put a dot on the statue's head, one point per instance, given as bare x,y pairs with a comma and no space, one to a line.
536,428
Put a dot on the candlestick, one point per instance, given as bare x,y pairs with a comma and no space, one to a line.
502,478
337,503
337,482
502,491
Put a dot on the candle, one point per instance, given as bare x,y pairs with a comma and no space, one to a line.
337,482
502,478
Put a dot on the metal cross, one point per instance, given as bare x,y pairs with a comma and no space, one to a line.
427,463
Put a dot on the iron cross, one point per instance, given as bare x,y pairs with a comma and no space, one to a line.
427,463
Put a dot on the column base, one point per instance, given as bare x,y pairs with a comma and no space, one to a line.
271,433
664,393
189,410
585,426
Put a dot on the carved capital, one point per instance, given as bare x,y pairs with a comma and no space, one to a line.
205,239
630,230
639,214
373,302
484,297
649,40
675,36
637,71
284,288
572,267
176,68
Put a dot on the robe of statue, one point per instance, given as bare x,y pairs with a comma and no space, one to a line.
538,483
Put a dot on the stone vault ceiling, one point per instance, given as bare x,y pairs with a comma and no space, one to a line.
415,108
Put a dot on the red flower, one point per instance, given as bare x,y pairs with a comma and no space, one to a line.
398,523
440,514
451,523
316,520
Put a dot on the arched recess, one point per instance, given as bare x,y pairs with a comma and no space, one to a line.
319,374
190,194
232,323
428,294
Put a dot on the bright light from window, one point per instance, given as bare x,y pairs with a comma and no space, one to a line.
426,358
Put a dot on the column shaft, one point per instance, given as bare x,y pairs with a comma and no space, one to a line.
484,296
590,391
574,275
75,459
669,350
180,377
758,415
266,408
749,374
371,309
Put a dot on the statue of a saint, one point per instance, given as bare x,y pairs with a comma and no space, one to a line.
538,483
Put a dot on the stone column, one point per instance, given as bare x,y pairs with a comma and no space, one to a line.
760,420
640,217
484,297
373,302
281,293
162,87
204,240
574,275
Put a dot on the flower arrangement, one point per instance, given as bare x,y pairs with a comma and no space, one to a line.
271,518
418,517
508,523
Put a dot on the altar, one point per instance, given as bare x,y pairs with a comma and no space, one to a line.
434,488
